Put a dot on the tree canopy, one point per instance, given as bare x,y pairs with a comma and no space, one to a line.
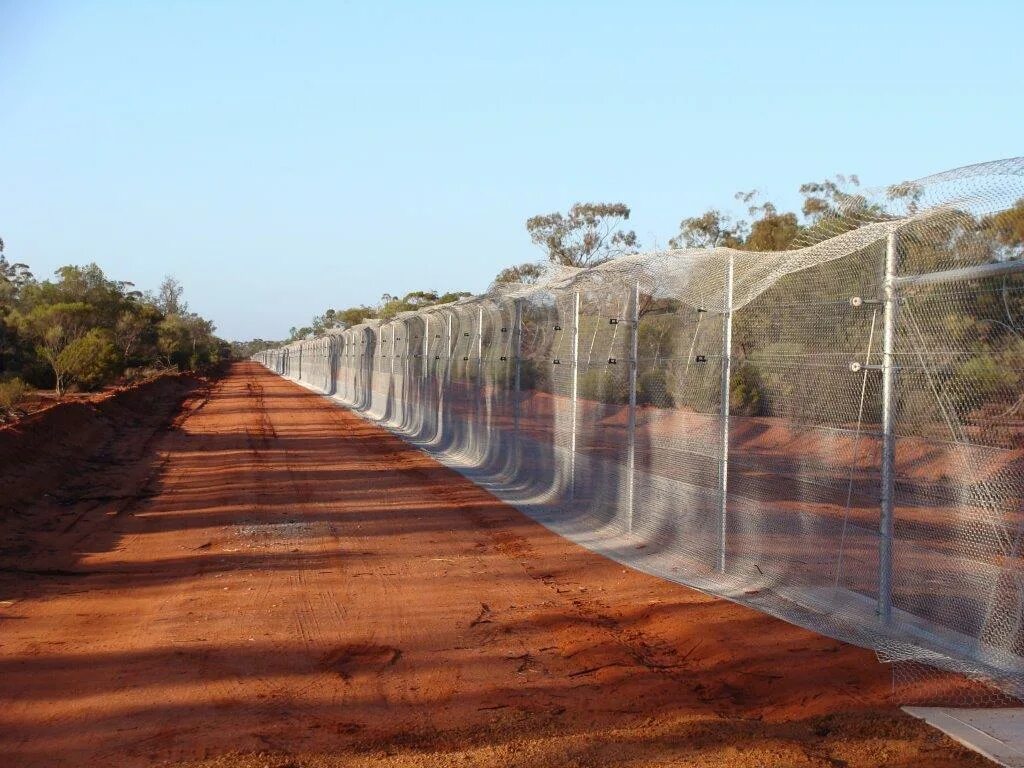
834,201
592,233
85,329
388,307
589,234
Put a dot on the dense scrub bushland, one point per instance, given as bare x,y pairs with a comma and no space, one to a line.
81,330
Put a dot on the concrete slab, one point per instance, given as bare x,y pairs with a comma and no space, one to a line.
998,734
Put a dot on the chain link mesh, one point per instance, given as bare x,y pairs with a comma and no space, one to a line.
831,434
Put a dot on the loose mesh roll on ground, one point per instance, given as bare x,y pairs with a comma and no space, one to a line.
865,479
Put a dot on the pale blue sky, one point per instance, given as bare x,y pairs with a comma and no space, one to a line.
280,158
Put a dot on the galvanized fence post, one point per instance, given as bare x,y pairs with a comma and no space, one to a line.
885,523
517,342
575,392
444,375
426,343
480,397
634,344
328,362
404,369
723,467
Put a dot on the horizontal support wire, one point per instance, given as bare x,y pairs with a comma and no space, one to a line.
804,431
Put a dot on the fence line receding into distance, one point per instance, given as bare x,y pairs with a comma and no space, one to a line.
832,434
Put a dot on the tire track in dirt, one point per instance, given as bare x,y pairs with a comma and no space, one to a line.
300,585
639,650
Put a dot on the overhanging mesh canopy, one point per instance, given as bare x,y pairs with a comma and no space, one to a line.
832,434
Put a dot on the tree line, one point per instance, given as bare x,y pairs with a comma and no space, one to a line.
83,330
589,234
987,321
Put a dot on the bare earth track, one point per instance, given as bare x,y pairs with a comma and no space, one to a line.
268,580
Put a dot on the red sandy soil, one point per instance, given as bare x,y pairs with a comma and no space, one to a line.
38,400
265,579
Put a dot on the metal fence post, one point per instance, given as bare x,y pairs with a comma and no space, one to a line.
405,368
367,367
480,343
634,344
391,390
723,467
575,392
329,373
426,343
885,523
480,376
345,363
442,377
517,341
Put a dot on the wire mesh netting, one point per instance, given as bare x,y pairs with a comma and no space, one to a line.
832,434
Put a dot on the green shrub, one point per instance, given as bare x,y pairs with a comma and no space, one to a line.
533,376
12,393
652,389
987,378
604,386
745,392
90,360
144,373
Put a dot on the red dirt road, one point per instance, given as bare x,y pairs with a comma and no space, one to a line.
272,581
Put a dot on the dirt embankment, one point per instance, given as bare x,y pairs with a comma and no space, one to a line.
60,464
276,582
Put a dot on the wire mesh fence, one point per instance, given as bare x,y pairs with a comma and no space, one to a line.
832,434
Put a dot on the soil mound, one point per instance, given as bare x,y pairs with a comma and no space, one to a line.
53,459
